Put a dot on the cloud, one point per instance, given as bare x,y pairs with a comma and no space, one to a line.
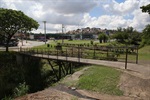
7,4
123,8
69,6
105,21
75,13
140,20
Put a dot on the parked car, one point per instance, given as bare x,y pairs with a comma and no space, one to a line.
13,42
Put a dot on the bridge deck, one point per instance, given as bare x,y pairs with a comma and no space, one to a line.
143,71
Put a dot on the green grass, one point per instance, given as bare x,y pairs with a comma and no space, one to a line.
144,53
54,43
72,42
101,79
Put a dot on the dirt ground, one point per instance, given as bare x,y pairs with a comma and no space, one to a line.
135,88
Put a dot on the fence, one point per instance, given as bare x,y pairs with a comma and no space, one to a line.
124,54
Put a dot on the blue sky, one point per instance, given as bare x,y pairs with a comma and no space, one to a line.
103,14
119,1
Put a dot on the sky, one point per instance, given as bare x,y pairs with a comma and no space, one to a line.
74,14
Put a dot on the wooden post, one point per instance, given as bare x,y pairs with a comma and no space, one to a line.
107,52
37,51
81,52
48,53
72,51
57,53
126,60
42,53
94,52
66,54
137,55
78,54
20,49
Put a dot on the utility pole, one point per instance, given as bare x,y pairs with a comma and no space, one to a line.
62,28
45,30
62,34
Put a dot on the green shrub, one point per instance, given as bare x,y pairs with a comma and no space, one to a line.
7,98
21,89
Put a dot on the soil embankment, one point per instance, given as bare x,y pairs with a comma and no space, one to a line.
135,88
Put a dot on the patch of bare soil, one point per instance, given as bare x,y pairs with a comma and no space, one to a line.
135,88
49,94
146,63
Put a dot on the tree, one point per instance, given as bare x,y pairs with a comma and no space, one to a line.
120,36
12,21
146,8
102,37
146,31
127,36
119,29
146,35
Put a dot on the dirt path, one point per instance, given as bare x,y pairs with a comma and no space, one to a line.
135,85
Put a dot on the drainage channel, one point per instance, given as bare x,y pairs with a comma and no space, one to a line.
64,88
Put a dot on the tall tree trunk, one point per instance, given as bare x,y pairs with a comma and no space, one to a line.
7,45
100,40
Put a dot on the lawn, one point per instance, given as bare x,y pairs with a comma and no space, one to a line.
101,79
54,43
144,53
71,41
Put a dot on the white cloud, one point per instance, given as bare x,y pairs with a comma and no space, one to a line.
74,13
69,6
123,8
7,4
140,20
129,8
105,21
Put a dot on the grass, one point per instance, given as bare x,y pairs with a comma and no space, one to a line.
72,42
53,43
101,79
144,53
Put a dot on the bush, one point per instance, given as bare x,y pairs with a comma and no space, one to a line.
7,98
146,36
21,89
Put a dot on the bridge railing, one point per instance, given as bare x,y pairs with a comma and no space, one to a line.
125,54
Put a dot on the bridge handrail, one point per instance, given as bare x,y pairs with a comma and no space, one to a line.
102,53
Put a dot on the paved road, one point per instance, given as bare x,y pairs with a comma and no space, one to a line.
27,44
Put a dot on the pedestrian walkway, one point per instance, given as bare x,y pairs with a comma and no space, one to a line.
135,69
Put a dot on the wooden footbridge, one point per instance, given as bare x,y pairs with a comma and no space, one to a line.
66,58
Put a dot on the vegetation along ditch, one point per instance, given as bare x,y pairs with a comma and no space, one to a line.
20,79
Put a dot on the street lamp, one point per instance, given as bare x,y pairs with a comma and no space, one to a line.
45,30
